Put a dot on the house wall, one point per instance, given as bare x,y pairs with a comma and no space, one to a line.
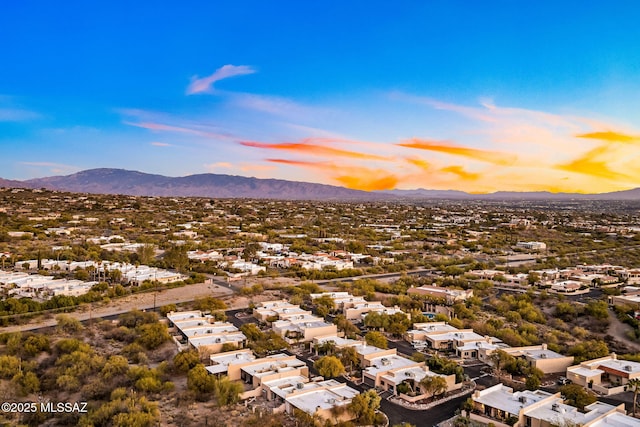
311,333
553,365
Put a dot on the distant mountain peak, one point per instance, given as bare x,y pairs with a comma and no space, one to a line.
136,183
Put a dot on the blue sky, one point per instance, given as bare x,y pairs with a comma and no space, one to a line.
474,96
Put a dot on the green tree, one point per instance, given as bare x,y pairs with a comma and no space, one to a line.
345,325
376,339
329,366
176,258
587,350
433,385
364,406
500,359
200,381
68,324
227,392
146,253
251,331
152,335
324,305
186,360
166,309
9,366
349,357
115,366
576,395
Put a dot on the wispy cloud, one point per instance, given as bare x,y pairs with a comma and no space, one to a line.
205,84
160,144
314,149
494,157
161,127
53,167
422,164
610,136
354,177
461,173
218,165
17,115
594,163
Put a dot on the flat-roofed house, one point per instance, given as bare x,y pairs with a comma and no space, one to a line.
537,356
303,328
606,375
500,405
450,296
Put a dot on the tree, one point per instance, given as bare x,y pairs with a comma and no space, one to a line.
349,357
152,335
576,395
329,366
376,339
146,253
398,324
227,392
68,324
251,331
587,350
500,359
176,257
166,309
634,385
345,325
433,385
115,365
210,304
200,381
374,320
364,406
186,360
324,305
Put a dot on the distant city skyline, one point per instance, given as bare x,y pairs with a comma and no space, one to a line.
477,97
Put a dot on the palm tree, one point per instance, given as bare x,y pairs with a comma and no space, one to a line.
635,384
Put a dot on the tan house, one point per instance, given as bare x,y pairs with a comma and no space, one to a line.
450,296
303,328
537,356
606,375
501,406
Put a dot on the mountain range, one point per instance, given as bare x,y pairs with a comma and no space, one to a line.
119,181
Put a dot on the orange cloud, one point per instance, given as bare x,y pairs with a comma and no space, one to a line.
319,150
372,182
488,156
359,178
420,163
609,136
593,164
461,173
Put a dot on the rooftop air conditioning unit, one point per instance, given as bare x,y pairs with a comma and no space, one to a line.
300,386
522,399
555,407
543,356
628,368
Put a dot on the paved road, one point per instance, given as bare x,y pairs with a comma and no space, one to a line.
143,301
239,318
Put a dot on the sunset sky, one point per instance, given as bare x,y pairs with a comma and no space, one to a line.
372,95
